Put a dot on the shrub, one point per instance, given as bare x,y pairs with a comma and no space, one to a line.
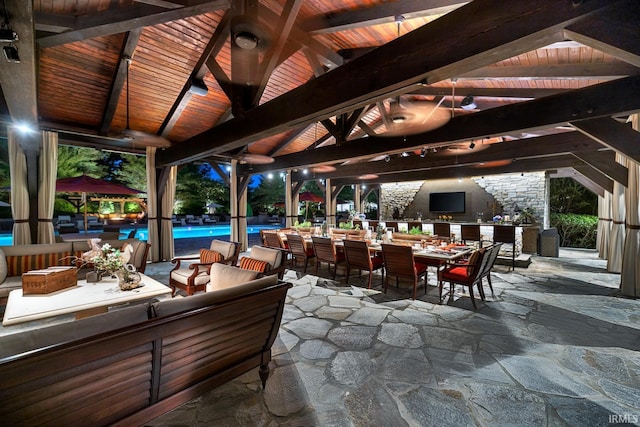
576,231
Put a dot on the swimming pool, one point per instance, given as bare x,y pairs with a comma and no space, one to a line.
178,232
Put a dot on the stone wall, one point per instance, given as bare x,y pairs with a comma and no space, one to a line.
509,190
397,195
485,196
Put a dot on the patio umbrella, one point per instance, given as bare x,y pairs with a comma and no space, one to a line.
85,184
308,196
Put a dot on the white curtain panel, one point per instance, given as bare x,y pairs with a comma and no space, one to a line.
48,165
288,202
329,204
168,199
630,275
616,243
152,206
604,225
19,192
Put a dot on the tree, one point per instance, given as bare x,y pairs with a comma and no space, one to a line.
196,188
75,161
568,196
266,194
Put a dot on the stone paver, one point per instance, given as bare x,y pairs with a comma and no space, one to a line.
554,346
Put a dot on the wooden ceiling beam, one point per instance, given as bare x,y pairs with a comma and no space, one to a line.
492,34
300,36
593,71
516,92
284,144
596,176
581,179
272,58
620,137
381,14
120,20
543,146
199,71
525,165
615,33
605,99
130,43
605,163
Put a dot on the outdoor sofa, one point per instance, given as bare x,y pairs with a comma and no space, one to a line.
15,260
133,364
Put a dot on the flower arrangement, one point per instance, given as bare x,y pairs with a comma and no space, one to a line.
497,218
109,259
445,217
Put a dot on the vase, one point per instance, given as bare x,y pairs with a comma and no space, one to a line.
128,279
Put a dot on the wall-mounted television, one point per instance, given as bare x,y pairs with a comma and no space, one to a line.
451,202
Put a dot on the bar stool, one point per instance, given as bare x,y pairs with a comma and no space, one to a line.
470,232
506,234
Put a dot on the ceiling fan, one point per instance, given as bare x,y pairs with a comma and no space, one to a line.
409,117
136,136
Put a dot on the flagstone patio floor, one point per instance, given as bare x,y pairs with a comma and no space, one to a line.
555,345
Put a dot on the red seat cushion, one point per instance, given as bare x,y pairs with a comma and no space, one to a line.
376,262
460,274
420,268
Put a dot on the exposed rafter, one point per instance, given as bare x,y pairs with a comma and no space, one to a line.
493,34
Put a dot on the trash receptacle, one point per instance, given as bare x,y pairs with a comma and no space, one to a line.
549,243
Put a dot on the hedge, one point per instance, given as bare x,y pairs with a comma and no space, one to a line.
576,231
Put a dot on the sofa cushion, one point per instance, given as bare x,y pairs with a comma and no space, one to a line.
227,249
180,305
65,332
18,264
3,267
247,263
223,276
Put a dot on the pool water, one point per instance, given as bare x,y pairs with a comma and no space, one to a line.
178,232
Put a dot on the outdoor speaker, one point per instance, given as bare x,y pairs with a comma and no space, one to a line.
11,54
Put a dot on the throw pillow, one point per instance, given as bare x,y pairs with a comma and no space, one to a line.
3,267
208,256
247,263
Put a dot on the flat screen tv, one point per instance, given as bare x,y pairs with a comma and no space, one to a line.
452,202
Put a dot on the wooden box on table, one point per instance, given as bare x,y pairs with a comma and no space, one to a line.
48,280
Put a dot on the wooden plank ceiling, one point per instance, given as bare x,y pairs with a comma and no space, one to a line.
317,89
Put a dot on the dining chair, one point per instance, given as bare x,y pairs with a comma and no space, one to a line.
442,229
470,232
325,251
299,250
273,240
399,262
506,234
465,273
493,250
358,256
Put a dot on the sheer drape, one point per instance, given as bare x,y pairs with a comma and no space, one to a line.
616,242
630,276
48,165
19,191
330,205
604,225
152,206
168,199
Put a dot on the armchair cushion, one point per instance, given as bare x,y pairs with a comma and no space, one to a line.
224,276
474,261
227,249
208,256
247,263
460,274
271,256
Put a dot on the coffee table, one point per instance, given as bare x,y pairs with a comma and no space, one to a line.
86,299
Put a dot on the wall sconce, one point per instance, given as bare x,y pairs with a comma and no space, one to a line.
423,152
387,159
